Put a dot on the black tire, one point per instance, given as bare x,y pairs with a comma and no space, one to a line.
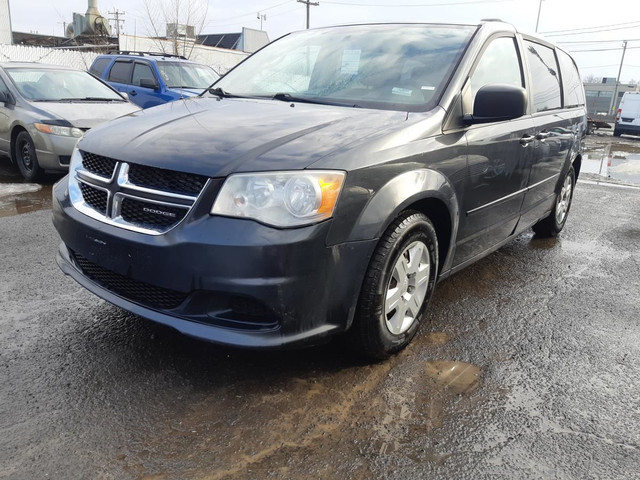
413,237
24,154
616,133
553,223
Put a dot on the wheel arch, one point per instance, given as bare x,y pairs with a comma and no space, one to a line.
577,164
424,190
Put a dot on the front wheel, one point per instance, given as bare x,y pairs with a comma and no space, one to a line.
26,158
552,224
397,287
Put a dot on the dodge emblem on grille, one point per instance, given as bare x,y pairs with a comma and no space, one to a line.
158,212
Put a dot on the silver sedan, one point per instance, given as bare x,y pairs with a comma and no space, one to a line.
45,109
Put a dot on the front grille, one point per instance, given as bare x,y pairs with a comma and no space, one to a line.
149,214
97,164
135,197
166,180
139,292
94,197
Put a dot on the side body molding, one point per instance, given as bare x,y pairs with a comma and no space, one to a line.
400,193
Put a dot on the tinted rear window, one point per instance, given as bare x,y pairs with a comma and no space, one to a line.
120,72
99,66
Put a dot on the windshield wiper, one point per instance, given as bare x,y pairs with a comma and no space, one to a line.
220,93
90,99
287,97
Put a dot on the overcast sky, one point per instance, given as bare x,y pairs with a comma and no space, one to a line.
607,22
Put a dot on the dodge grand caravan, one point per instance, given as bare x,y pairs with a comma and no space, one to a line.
326,184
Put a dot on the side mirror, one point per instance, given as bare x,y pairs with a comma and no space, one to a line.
125,95
148,83
497,103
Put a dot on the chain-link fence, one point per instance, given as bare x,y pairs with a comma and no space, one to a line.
67,58
221,60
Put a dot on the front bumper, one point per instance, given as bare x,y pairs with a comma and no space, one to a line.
53,151
627,128
225,280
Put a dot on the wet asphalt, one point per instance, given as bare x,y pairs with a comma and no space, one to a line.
527,367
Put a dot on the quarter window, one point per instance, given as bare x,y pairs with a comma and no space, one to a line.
499,64
571,83
545,82
120,72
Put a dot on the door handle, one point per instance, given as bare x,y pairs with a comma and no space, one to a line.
542,135
527,139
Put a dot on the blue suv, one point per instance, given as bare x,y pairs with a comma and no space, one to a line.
153,78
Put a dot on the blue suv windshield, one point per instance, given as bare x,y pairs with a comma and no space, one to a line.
186,75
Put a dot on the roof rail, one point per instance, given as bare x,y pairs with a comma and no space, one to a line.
144,54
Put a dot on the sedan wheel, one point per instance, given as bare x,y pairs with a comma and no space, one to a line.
26,158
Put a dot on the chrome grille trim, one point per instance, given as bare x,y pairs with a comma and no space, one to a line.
123,181
119,188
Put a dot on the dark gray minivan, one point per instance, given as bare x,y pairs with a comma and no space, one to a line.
327,183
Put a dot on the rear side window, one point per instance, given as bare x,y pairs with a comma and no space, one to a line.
140,71
571,83
99,66
499,64
545,81
120,72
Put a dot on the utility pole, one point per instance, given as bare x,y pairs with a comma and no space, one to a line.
538,20
308,3
64,28
116,17
614,104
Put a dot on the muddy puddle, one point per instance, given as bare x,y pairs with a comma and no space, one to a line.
17,196
612,160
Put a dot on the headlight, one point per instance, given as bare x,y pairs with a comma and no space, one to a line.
281,199
59,130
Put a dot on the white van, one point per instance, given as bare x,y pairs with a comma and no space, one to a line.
628,118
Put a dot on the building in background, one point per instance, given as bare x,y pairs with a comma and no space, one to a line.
599,97
5,23
249,40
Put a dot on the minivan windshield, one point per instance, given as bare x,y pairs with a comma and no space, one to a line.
49,85
393,67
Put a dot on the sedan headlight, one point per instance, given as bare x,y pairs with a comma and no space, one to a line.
59,130
281,199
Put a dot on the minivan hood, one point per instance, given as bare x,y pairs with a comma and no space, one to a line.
86,114
215,137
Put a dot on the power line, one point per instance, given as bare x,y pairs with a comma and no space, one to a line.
602,41
589,28
592,31
601,49
253,12
395,5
